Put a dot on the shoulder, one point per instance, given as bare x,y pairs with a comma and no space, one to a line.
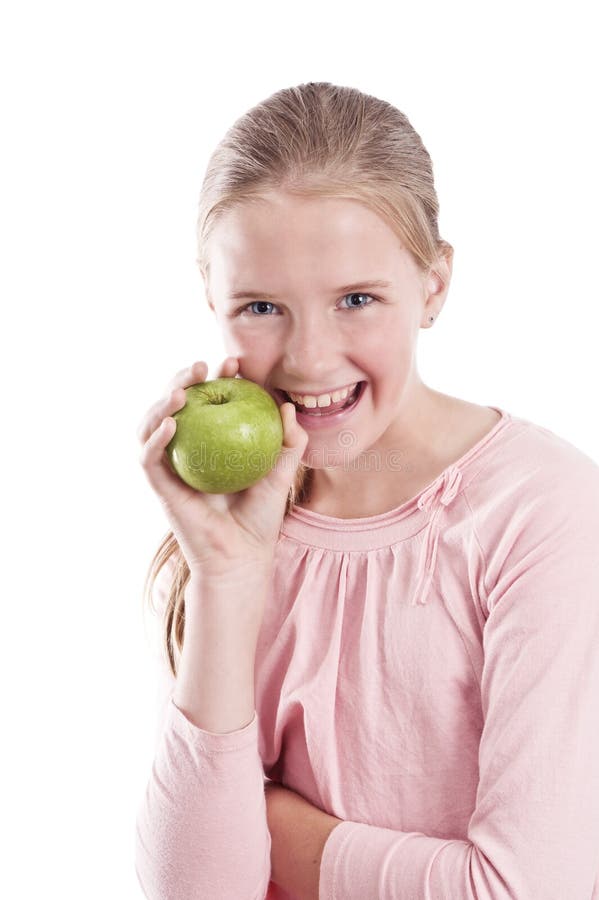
535,517
534,484
532,462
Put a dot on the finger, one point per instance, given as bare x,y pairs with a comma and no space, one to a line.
173,399
294,436
193,374
166,406
294,444
155,465
228,368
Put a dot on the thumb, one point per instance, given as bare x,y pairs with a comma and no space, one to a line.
295,440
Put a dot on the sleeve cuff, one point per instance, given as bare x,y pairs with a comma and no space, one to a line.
364,862
208,741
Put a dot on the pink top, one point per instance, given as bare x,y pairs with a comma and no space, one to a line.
429,675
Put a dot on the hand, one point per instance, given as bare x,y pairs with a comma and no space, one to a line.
219,534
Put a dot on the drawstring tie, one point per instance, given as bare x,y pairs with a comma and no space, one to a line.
440,494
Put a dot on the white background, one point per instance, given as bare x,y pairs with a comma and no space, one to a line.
109,114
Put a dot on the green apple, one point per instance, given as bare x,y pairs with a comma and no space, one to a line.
229,435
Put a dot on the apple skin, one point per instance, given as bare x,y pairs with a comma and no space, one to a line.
229,435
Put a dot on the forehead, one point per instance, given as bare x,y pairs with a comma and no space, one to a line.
281,235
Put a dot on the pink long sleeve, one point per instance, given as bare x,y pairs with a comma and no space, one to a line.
201,828
534,830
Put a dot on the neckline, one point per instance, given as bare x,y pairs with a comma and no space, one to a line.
367,523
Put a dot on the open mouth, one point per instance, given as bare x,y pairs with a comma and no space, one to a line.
323,411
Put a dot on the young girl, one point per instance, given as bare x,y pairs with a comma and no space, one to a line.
381,662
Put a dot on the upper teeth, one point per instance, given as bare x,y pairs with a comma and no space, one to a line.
310,400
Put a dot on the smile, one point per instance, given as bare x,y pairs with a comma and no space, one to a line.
311,401
329,415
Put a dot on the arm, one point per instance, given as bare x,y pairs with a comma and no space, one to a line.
201,829
299,832
534,833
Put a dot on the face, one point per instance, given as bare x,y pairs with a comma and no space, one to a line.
296,325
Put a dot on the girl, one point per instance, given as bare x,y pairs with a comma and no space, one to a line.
381,665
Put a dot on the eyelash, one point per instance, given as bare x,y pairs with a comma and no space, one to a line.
353,294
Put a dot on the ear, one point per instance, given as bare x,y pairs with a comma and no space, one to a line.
436,285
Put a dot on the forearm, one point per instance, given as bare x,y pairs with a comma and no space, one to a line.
299,832
201,827
215,679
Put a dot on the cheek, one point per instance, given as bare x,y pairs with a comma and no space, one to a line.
378,355
238,342
254,357
387,364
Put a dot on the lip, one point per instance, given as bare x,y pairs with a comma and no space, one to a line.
331,421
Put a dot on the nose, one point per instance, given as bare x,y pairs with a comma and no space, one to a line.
310,348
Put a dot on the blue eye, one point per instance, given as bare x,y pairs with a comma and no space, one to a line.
359,295
257,303
263,303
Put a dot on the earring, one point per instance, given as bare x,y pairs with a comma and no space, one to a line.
431,318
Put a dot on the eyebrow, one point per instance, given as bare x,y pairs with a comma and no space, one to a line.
262,295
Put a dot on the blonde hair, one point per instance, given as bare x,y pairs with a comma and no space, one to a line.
316,139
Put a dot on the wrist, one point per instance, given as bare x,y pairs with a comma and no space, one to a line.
236,574
236,599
